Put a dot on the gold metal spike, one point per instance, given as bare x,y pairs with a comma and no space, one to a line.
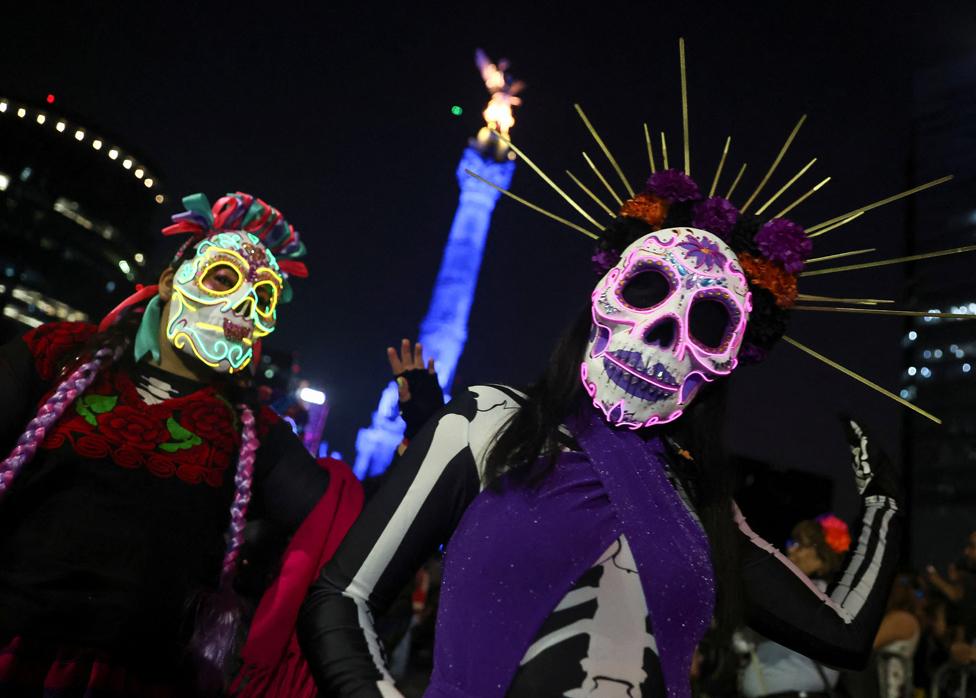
547,179
785,187
814,190
882,202
538,209
650,150
851,253
735,182
603,147
856,376
589,193
602,179
895,260
664,151
874,311
836,225
833,299
772,168
721,164
684,105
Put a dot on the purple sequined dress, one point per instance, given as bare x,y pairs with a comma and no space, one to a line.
517,553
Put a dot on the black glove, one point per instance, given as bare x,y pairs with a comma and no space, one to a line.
874,473
426,398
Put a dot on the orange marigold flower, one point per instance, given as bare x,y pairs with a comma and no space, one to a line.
646,207
770,276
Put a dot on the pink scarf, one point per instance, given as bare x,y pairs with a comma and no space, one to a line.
273,663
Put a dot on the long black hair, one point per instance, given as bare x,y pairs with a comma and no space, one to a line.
526,448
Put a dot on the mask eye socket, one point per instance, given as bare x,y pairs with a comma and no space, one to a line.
267,298
221,279
646,287
711,322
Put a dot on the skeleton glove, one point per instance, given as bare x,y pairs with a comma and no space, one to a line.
874,473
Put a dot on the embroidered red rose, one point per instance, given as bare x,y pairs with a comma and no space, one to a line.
190,473
92,446
160,466
128,457
132,427
51,343
210,420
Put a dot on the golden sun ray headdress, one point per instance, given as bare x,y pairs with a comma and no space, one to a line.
774,251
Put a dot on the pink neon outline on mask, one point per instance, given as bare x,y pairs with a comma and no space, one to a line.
728,269
655,419
735,338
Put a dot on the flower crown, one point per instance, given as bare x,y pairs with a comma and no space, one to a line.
771,253
242,212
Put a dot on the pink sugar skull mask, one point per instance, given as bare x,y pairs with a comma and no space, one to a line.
668,318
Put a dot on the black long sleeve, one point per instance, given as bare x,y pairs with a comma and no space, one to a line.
416,510
839,629
288,482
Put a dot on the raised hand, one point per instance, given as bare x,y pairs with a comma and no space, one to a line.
874,474
420,393
408,360
857,441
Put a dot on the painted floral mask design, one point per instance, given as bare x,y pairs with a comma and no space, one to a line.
224,299
669,317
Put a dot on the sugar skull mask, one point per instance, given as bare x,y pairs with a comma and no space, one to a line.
224,299
669,317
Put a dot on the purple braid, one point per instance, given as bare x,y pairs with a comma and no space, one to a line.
220,614
51,411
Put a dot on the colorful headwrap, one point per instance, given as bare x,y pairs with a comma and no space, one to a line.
242,212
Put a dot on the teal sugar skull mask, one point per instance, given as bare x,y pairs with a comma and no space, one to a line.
224,299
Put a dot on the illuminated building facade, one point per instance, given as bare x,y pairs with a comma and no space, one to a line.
77,214
940,355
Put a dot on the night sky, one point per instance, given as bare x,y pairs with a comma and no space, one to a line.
341,118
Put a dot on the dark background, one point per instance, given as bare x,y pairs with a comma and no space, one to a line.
340,116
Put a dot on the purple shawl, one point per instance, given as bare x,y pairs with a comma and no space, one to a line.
517,552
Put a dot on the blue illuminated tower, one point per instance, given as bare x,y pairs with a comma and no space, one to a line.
444,329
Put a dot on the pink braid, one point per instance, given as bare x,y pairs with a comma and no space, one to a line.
220,614
50,412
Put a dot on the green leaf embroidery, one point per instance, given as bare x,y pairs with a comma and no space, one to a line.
183,438
100,404
90,405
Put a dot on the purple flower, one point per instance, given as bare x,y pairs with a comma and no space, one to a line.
673,185
786,242
604,261
716,215
703,252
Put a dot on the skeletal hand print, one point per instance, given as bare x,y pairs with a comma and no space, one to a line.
858,443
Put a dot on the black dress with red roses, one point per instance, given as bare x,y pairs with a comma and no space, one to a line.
108,534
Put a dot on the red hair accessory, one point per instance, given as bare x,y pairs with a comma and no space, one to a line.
836,533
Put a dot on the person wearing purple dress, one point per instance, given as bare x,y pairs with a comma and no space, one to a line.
590,533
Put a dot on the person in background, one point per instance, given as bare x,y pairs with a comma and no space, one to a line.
817,548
